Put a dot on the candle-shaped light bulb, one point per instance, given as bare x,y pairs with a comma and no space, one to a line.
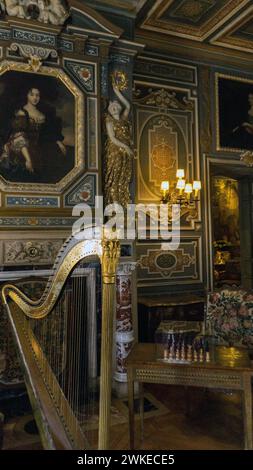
165,186
180,173
196,187
181,185
188,189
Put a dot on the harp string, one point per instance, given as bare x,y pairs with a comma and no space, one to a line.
63,343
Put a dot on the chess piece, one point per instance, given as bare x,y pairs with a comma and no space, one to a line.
183,352
195,356
206,349
177,354
201,355
173,349
189,352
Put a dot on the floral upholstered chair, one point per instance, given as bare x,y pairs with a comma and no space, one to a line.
229,318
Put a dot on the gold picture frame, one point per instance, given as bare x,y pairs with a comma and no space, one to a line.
58,187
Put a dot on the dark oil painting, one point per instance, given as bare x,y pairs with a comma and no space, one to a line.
37,128
235,99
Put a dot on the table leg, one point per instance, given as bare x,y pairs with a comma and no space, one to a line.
131,406
141,394
247,412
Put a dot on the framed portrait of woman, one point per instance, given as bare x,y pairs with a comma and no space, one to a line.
41,128
234,113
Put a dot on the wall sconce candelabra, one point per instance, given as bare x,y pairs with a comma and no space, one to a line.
183,193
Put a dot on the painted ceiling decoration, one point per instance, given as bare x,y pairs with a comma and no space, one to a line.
222,23
192,19
238,34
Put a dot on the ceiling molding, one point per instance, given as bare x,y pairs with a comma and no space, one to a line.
163,17
227,38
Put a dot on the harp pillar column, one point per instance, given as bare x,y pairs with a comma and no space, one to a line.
109,261
124,318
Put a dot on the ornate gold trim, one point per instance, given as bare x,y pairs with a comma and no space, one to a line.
247,158
42,307
109,260
162,98
5,186
119,80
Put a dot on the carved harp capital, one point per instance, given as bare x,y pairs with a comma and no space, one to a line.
109,260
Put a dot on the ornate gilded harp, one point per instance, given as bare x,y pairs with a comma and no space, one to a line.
57,347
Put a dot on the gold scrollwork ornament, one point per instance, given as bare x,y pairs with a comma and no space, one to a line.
247,158
35,63
109,260
119,80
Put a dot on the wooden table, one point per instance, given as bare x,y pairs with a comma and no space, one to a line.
232,372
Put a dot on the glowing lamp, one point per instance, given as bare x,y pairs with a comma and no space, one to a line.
181,185
165,186
180,173
188,189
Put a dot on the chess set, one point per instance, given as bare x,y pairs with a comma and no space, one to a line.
183,353
181,342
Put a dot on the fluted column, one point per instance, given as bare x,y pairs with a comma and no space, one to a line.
110,257
124,319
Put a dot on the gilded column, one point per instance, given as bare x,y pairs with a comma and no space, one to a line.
109,261
124,319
